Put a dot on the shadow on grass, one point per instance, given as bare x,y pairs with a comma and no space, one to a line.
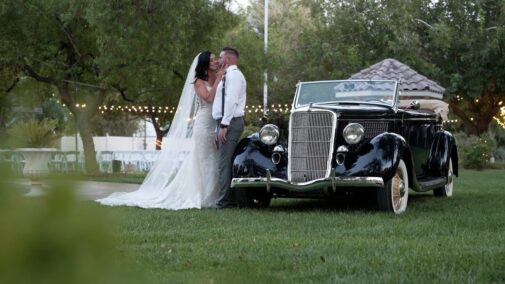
356,201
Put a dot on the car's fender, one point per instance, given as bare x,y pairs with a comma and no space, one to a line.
378,157
443,146
252,158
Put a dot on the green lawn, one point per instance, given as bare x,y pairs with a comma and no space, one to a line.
461,239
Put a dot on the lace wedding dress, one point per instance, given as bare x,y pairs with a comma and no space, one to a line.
185,176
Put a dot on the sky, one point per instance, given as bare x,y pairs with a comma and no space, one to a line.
236,5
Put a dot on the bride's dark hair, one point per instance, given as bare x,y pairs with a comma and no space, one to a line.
202,66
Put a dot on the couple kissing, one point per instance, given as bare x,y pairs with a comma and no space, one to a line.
195,167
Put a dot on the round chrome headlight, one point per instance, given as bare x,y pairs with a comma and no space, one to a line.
269,134
353,133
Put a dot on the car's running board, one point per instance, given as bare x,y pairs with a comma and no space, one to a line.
432,183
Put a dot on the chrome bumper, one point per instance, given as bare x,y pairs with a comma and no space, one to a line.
331,182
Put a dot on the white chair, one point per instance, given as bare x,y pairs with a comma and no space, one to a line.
104,159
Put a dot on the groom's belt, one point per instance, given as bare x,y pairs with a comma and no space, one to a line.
234,118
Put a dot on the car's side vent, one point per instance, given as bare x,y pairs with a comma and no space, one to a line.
311,137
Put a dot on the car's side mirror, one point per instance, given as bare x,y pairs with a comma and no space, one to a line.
415,105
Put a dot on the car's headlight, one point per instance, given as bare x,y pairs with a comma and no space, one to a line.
353,133
269,134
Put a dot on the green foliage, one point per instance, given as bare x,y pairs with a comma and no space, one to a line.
499,154
475,151
248,130
464,41
290,22
96,51
53,110
115,124
34,134
57,239
498,134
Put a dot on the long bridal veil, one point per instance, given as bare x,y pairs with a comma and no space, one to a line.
176,147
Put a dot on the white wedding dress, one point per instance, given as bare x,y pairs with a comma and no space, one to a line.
186,174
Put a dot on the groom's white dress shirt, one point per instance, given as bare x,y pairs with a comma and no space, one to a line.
235,96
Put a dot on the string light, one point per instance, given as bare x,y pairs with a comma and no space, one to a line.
278,108
256,109
500,118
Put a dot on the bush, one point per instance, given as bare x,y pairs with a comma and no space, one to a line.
499,154
249,129
57,239
498,133
34,134
476,151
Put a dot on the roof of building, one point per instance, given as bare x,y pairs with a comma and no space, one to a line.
393,69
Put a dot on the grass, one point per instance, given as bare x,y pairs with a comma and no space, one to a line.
461,239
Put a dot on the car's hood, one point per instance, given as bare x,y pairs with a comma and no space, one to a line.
361,108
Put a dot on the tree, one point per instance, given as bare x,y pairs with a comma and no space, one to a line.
93,51
147,51
289,21
466,40
52,43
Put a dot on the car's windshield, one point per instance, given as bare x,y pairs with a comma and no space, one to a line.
352,91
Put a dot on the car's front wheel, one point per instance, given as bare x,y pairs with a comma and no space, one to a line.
253,198
446,191
393,197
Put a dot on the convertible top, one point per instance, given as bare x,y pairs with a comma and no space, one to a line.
437,106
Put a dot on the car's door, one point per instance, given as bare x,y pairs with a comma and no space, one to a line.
418,129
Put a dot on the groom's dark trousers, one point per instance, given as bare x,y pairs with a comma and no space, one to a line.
225,154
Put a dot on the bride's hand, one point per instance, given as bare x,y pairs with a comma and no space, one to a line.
221,71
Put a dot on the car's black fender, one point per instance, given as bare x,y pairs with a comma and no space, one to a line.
442,148
252,158
379,157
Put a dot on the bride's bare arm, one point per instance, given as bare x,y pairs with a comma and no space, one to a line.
202,92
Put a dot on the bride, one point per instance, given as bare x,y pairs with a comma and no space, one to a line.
185,175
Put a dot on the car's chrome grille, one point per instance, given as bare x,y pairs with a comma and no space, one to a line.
310,145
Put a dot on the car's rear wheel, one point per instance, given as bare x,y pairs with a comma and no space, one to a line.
253,198
393,197
446,191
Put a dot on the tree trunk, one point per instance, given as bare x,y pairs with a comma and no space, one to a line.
476,114
159,138
88,145
159,131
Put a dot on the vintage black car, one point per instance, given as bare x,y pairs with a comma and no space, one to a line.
344,136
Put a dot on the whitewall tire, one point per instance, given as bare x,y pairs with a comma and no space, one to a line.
394,196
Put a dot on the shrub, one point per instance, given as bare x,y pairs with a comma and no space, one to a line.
34,134
249,129
499,154
57,239
281,119
477,151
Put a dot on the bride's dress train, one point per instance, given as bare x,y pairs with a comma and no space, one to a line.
185,176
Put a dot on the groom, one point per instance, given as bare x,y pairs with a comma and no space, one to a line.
228,111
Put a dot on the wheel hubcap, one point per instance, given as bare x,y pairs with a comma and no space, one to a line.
398,188
402,188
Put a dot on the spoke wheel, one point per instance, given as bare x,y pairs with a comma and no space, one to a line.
393,197
446,191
